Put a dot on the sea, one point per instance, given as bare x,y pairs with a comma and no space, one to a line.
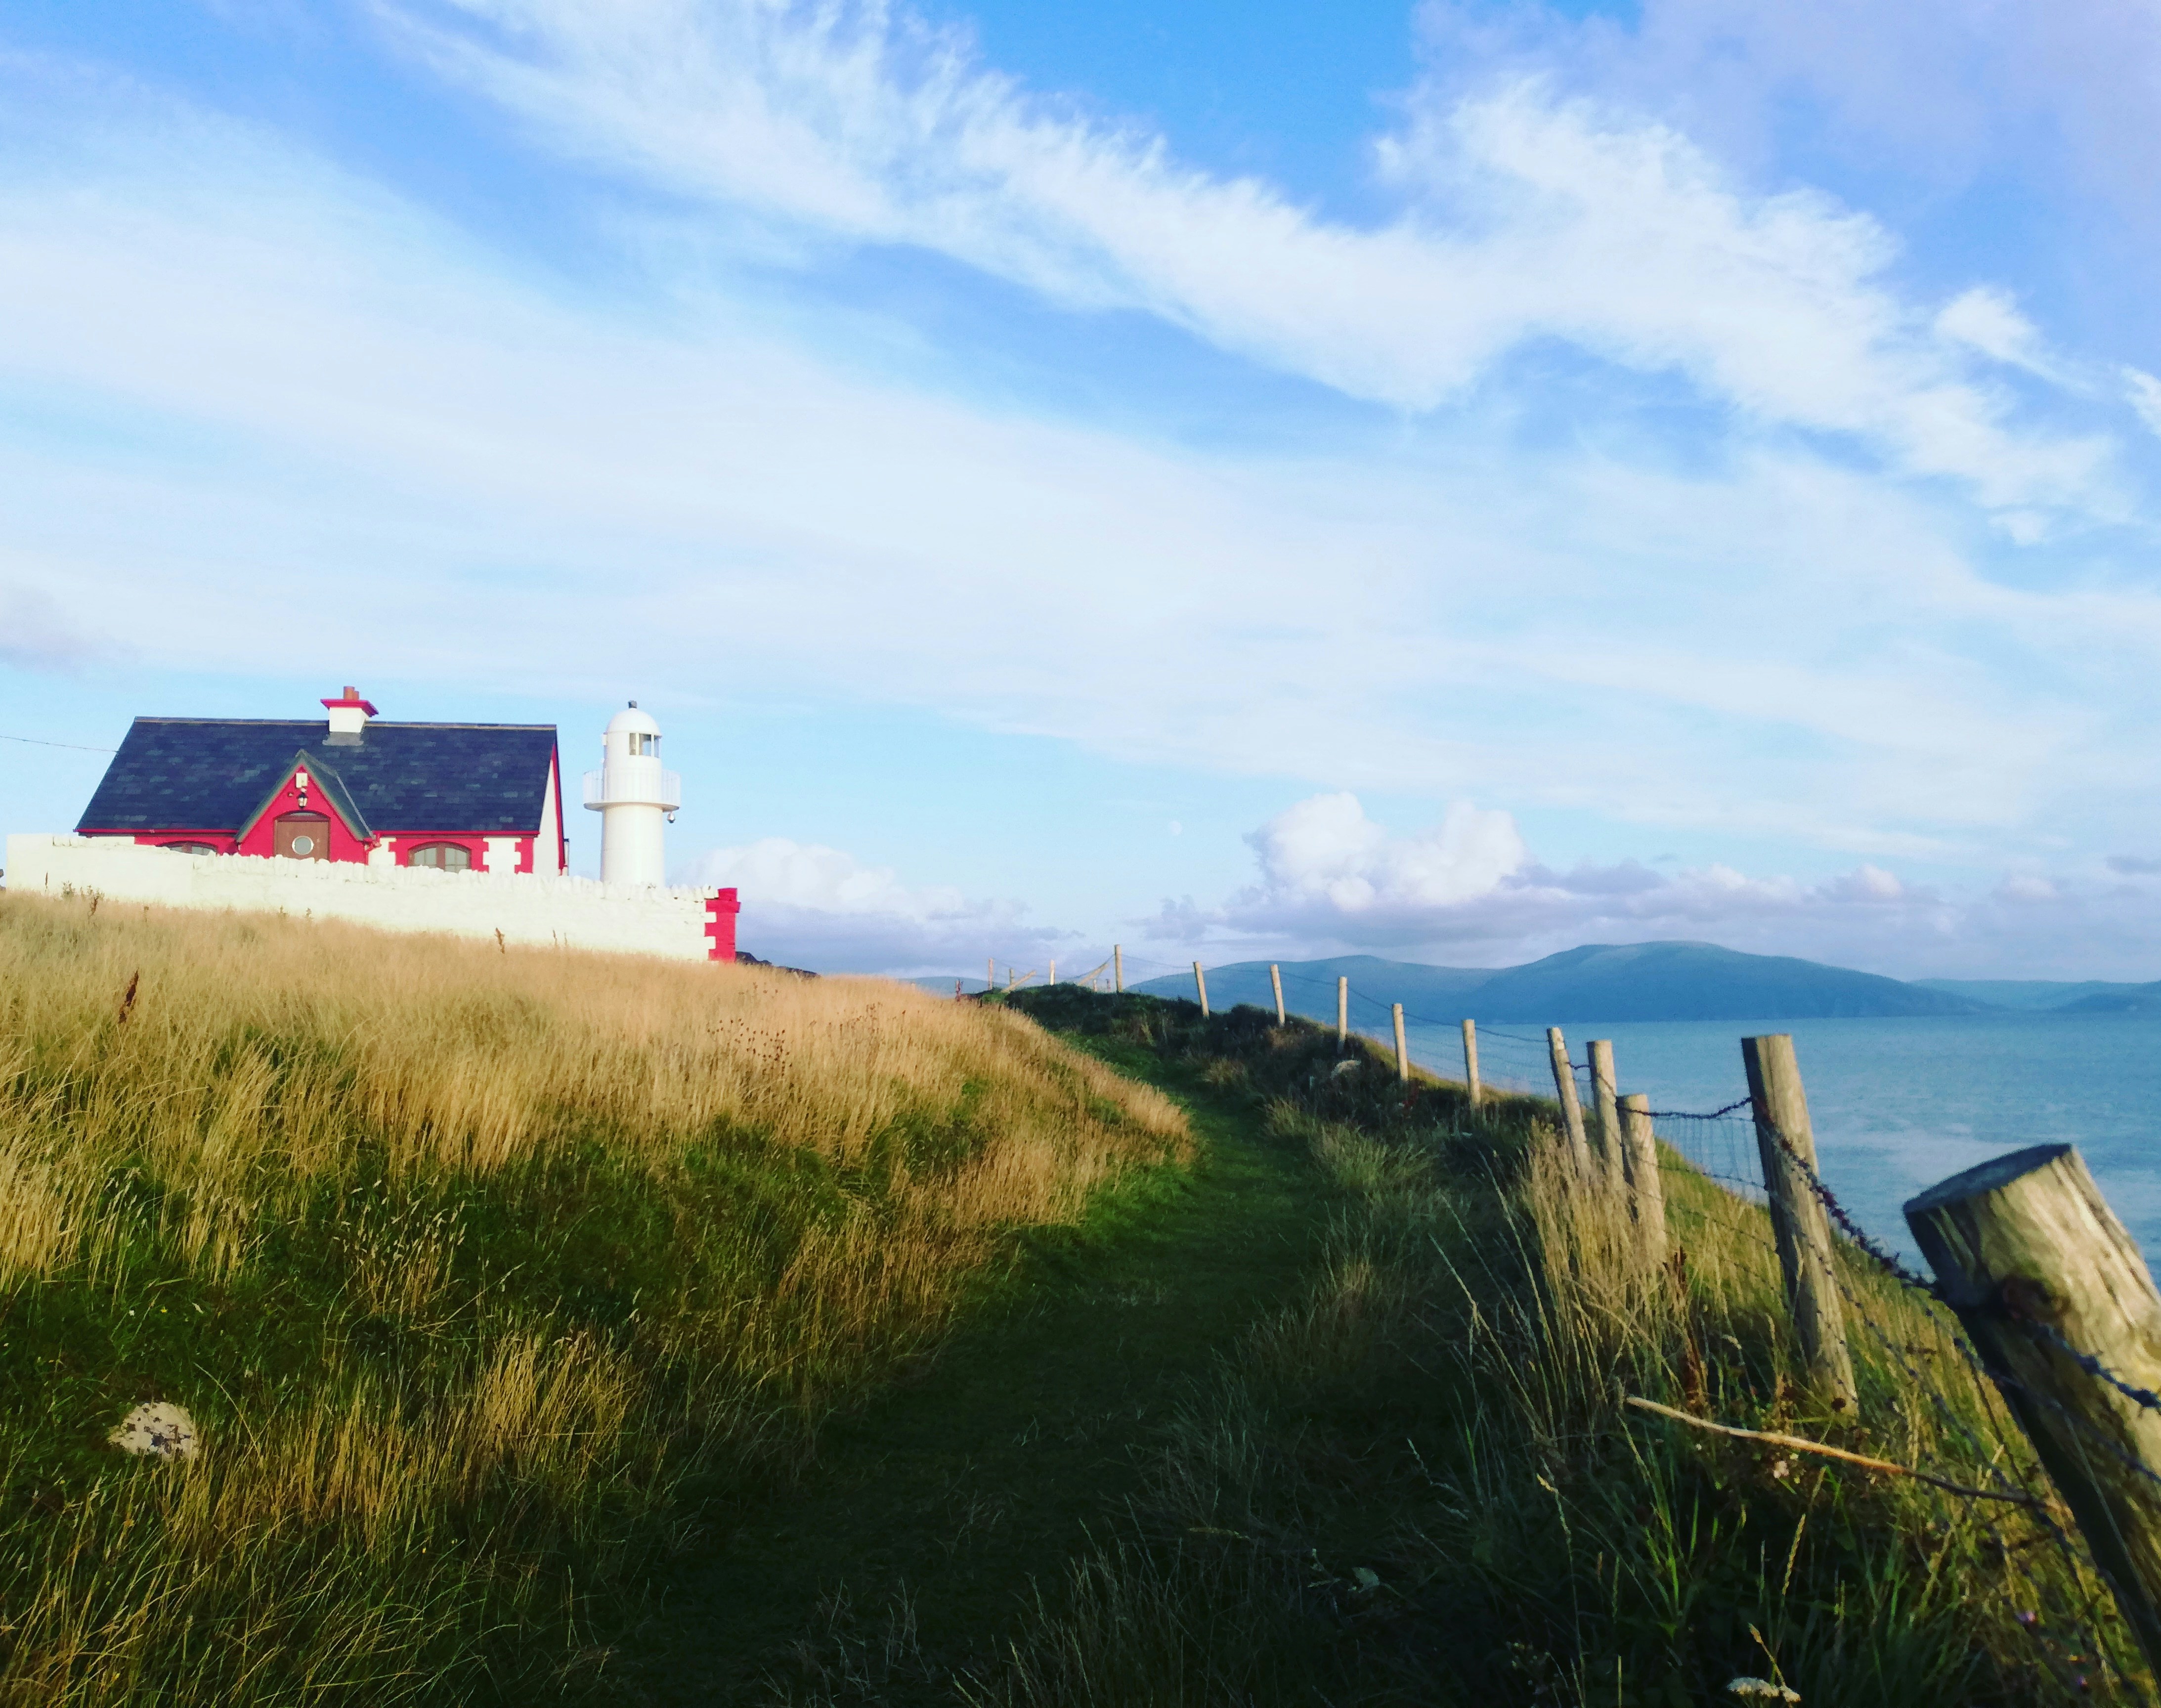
1897,1104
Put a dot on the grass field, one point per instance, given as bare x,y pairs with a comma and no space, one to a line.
569,1327
480,1272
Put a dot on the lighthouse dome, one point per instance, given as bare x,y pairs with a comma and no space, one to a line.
634,720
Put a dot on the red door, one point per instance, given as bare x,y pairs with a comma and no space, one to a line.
303,837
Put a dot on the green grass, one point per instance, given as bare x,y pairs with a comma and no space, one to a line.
934,1509
1416,1483
652,1338
487,1276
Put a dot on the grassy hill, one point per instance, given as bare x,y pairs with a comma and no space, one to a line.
1597,982
579,1328
477,1270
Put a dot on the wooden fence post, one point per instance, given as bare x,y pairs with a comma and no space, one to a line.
1402,1055
990,972
1647,1191
1012,976
2026,1250
1342,1014
1604,1106
1787,1144
1275,978
1471,1060
1200,980
1118,966
1571,1110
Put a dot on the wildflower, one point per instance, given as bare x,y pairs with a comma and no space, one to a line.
1763,1688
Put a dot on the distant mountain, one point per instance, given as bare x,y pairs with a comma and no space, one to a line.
1598,981
2037,993
2118,999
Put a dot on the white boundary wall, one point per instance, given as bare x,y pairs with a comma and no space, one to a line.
576,913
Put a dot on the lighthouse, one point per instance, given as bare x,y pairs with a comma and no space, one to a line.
635,798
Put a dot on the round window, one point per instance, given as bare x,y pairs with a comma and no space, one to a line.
304,845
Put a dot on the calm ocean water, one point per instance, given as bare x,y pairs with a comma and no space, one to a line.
1897,1104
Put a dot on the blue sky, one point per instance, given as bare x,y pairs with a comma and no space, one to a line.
1451,481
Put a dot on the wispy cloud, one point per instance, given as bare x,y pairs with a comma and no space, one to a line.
290,366
1524,217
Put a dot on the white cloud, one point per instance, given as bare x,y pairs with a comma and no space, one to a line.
2144,392
1524,217
808,905
1988,320
1326,849
1467,892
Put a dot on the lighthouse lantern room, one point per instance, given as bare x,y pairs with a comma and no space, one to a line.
635,797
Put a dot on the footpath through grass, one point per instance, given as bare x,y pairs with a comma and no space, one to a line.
908,1557
1338,1420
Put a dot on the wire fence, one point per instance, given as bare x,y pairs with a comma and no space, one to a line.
1910,1323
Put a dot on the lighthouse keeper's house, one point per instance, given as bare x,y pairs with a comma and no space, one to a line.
445,827
349,787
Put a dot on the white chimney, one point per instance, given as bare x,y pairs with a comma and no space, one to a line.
635,798
349,716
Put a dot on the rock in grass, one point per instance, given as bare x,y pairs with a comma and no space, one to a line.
160,1429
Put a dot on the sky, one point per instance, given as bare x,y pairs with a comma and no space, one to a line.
1449,482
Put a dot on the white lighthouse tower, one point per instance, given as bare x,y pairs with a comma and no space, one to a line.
635,798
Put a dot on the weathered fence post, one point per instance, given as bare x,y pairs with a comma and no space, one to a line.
2031,1258
1275,978
1571,1110
1200,980
1402,1055
990,972
1342,1014
1471,1060
1787,1144
1118,966
1647,1191
1602,1103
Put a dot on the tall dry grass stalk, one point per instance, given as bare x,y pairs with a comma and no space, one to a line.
462,1260
1709,1333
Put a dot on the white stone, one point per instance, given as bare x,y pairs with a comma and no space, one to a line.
159,1430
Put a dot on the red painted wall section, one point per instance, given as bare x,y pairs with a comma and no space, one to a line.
261,837
403,842
562,829
720,911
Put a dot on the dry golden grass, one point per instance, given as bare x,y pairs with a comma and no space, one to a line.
373,1207
1709,1333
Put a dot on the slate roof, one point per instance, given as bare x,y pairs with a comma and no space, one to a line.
188,773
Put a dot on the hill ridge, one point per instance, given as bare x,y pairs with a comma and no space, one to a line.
1669,980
